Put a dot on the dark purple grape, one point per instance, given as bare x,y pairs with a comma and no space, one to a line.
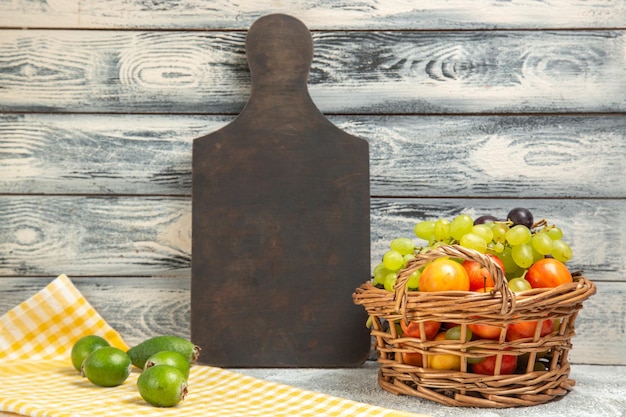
485,219
520,215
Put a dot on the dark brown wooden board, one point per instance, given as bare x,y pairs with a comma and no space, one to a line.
280,221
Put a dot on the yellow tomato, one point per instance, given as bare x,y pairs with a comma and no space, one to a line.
444,361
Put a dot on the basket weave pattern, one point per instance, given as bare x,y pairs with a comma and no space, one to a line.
499,308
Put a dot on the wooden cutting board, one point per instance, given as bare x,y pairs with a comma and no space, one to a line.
281,230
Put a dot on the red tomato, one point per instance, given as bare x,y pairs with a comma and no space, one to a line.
443,274
485,331
412,358
548,273
412,329
526,329
478,275
488,366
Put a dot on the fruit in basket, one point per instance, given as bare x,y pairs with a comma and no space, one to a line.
527,329
488,365
444,361
162,385
107,367
393,260
140,353
454,333
519,284
478,275
413,358
517,245
444,274
83,347
460,226
521,216
548,273
403,245
561,250
412,329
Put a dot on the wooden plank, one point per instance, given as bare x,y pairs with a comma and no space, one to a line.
99,154
497,156
97,235
365,14
122,236
362,72
143,307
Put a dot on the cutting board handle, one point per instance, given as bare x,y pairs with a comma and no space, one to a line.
280,52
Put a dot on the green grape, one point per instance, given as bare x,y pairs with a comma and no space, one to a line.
442,230
390,281
499,232
542,243
484,231
424,230
518,235
536,255
511,269
498,247
519,284
404,245
555,233
380,272
454,333
473,241
461,225
406,258
414,280
523,255
561,250
393,260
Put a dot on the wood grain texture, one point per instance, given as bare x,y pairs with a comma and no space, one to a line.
94,235
352,72
138,308
143,307
364,14
121,236
468,156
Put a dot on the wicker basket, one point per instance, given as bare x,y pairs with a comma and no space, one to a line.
499,308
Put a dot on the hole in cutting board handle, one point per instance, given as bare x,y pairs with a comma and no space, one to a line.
279,49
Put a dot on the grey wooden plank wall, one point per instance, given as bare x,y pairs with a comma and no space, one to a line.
472,107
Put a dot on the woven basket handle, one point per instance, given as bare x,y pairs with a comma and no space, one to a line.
455,251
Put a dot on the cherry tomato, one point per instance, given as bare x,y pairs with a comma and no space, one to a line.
488,366
443,274
412,358
548,273
444,361
485,331
478,275
526,329
412,329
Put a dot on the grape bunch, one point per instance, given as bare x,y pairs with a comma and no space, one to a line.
518,241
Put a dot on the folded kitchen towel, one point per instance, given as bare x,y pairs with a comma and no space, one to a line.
46,325
37,377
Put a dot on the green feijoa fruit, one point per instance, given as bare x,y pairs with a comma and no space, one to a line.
140,353
107,367
83,347
169,357
162,385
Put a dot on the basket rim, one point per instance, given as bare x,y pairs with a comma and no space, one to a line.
499,304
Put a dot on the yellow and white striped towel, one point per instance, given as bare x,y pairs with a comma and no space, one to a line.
37,377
